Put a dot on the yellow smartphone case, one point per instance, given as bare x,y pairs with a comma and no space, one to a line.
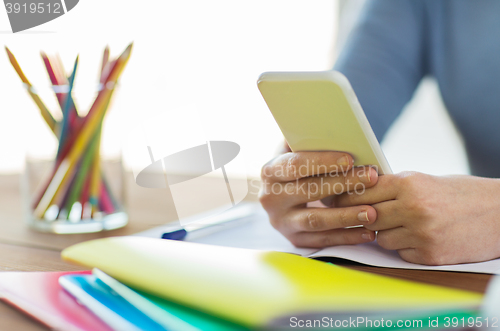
318,111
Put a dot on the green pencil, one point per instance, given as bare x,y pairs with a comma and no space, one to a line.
81,175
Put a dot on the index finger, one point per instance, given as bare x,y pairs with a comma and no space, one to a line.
291,166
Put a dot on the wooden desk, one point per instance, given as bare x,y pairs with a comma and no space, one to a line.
22,249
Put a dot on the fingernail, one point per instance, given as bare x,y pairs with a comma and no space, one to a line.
363,216
365,177
343,161
367,236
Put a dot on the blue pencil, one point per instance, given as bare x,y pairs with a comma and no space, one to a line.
65,121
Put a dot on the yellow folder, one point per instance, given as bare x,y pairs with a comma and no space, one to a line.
253,287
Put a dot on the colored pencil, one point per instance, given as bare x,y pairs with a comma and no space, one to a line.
69,143
81,175
95,176
105,60
63,81
53,78
58,80
77,177
66,109
105,203
73,112
47,116
59,69
66,168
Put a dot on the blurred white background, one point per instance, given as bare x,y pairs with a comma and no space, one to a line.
207,55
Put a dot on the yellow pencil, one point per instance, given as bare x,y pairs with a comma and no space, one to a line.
66,169
47,116
95,180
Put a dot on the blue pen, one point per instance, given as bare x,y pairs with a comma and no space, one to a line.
175,235
231,217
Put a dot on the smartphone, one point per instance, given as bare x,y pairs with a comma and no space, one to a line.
318,111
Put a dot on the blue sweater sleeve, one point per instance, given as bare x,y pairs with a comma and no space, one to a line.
384,58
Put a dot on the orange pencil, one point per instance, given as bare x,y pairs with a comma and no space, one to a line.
105,60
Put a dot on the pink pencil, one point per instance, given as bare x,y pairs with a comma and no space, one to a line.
105,201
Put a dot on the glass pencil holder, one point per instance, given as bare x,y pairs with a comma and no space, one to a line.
76,191
77,211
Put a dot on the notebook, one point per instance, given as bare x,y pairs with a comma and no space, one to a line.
256,233
172,316
39,295
251,287
112,309
126,309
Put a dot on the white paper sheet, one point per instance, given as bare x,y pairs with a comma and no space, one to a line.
255,232
373,254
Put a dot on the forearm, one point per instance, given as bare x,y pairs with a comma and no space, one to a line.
384,59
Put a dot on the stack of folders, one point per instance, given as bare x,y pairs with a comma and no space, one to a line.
153,284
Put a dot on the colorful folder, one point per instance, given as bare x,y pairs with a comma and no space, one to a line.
39,295
252,287
170,315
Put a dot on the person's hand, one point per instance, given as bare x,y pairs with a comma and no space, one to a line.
434,220
292,180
